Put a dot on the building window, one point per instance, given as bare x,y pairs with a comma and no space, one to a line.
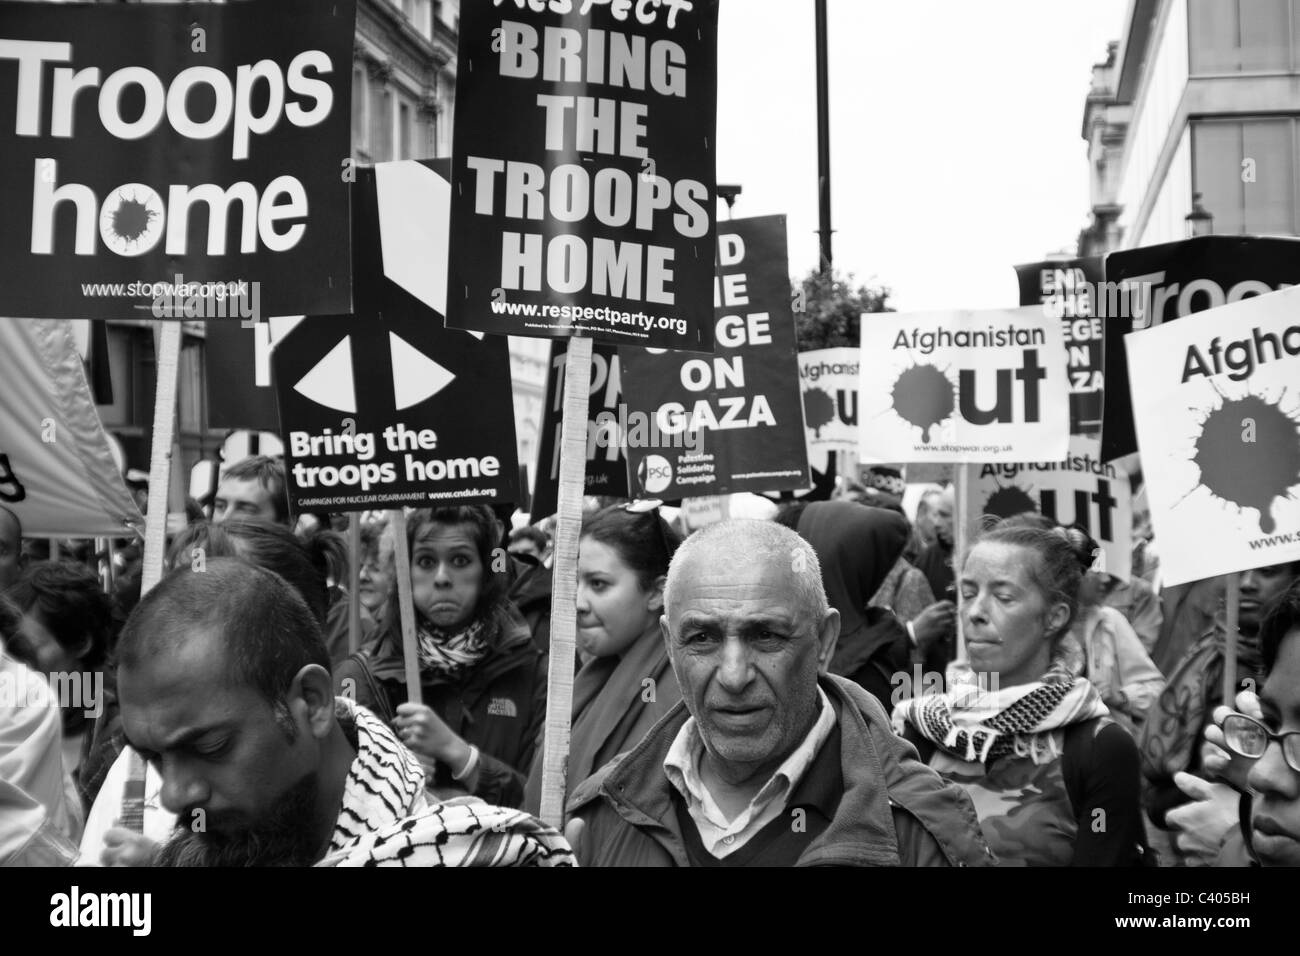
1236,36
404,145
358,110
1247,198
381,123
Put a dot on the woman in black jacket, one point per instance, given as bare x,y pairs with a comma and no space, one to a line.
482,679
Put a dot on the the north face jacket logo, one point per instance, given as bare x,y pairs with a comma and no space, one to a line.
502,707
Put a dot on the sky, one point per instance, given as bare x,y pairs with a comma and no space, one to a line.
956,151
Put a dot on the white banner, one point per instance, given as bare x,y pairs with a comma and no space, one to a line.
963,386
1217,408
1078,489
829,379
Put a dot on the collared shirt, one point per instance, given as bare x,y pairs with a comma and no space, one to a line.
719,836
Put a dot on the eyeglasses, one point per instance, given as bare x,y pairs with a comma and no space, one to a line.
651,506
1247,737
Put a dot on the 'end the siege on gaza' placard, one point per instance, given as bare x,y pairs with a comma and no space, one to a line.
963,387
583,178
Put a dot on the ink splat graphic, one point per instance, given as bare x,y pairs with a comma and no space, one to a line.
1009,500
923,397
1249,474
131,220
818,409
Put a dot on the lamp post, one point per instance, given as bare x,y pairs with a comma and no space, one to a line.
729,193
823,139
1199,220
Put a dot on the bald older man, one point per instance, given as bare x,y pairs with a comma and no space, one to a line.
768,760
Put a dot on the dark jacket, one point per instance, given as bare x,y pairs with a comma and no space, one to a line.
499,706
615,702
530,592
894,811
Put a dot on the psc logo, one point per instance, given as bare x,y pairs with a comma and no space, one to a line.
654,473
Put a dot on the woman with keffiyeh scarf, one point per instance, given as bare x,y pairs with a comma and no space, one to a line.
1054,782
483,680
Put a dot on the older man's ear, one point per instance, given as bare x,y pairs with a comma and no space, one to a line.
827,635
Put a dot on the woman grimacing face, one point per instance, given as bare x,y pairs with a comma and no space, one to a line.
446,575
613,609
1006,616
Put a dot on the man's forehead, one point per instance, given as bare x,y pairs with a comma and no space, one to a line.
182,684
242,488
1282,688
755,583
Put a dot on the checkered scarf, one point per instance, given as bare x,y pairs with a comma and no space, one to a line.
971,722
452,653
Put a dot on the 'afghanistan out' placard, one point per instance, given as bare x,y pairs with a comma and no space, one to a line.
829,379
1166,282
963,387
1078,489
1073,291
714,424
606,472
1218,423
583,177
175,160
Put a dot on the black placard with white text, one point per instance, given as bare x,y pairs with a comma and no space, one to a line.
1072,291
606,470
583,177
734,421
178,161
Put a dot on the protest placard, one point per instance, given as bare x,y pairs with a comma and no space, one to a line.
375,413
1159,284
1079,489
1073,291
829,379
963,387
606,470
1218,424
583,177
180,161
703,425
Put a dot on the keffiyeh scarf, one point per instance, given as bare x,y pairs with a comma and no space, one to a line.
452,653
974,722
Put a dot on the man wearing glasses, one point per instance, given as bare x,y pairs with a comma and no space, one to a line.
1240,746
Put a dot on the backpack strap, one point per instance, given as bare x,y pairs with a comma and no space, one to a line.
1076,757
383,708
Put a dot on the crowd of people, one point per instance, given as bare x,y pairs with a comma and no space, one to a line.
830,684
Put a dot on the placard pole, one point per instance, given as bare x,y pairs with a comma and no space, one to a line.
960,538
403,567
1232,594
160,458
564,620
354,582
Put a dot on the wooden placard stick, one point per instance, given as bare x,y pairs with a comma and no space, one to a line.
164,432
168,337
564,615
960,539
354,582
410,655
1232,594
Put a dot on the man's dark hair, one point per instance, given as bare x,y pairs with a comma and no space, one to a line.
263,623
1280,619
528,533
307,563
72,605
267,472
